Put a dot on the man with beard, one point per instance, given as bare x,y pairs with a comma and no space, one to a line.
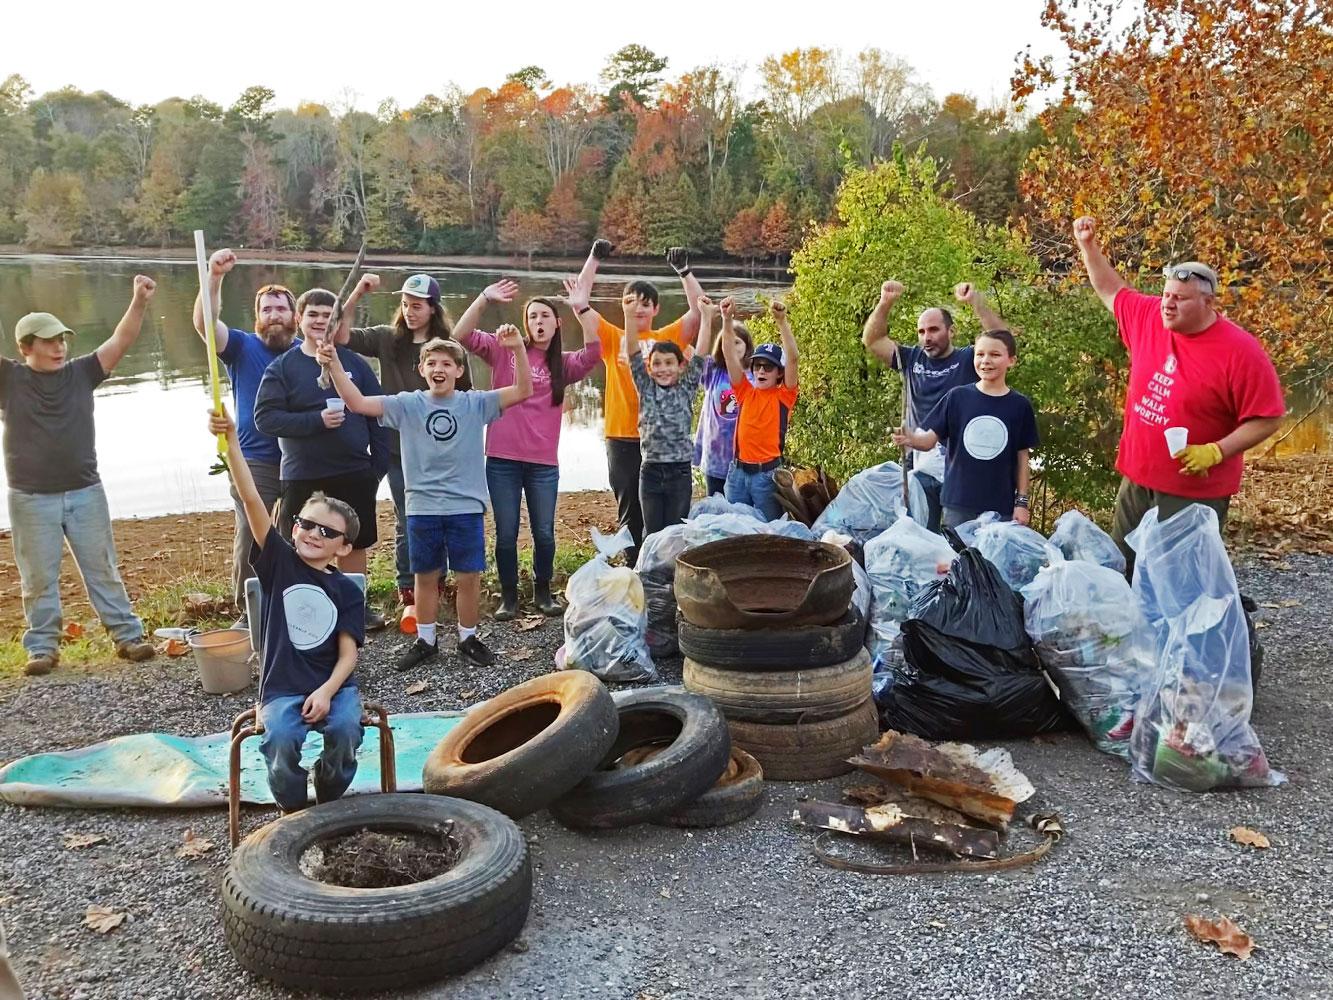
247,356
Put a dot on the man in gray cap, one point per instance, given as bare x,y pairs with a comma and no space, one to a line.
1193,374
55,493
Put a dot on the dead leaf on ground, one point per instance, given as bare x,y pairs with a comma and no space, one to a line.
531,622
193,847
175,647
416,688
75,841
1224,933
665,893
103,919
1290,603
73,630
521,654
1250,838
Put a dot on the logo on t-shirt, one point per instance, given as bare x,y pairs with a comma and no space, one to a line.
985,437
1170,364
727,403
441,425
311,615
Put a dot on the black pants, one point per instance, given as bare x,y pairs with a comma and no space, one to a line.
622,466
715,484
664,494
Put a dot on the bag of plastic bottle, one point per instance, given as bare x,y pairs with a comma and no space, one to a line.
657,572
900,561
868,504
718,504
1016,550
1077,537
606,620
1192,728
714,527
1095,645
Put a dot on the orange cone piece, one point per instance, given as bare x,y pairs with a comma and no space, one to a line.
407,624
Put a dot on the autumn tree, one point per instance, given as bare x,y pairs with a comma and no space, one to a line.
524,231
633,74
54,207
1199,131
778,232
744,235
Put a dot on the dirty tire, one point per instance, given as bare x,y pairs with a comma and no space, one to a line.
784,696
310,935
734,796
523,749
695,752
808,751
774,649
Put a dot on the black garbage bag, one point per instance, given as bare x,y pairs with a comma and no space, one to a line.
969,669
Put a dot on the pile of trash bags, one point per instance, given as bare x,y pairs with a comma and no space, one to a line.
1016,550
870,502
606,619
1094,643
1192,729
899,562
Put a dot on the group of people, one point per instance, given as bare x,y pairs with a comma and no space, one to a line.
315,430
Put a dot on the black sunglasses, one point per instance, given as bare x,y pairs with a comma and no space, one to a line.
305,524
1185,273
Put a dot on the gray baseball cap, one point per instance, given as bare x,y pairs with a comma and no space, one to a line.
43,326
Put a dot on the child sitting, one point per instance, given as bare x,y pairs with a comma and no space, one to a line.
441,431
987,429
765,402
666,381
313,622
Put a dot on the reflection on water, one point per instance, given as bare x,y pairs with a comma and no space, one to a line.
152,449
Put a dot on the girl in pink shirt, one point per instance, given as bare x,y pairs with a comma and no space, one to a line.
522,446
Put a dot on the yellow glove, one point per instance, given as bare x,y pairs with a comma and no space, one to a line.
1197,459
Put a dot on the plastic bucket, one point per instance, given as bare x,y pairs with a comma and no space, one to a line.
223,656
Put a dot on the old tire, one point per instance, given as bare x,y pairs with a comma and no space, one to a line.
694,755
775,649
523,749
734,796
808,751
310,935
784,696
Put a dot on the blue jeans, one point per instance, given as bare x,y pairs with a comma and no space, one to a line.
755,488
402,566
508,480
284,734
41,523
664,494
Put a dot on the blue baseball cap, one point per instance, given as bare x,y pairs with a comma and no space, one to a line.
771,353
423,286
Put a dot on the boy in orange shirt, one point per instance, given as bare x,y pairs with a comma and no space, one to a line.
621,400
761,426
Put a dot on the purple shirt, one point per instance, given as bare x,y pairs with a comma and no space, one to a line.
530,430
714,441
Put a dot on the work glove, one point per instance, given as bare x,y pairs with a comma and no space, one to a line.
679,259
602,249
1197,459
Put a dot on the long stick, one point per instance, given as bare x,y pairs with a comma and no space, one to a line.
907,423
325,380
210,334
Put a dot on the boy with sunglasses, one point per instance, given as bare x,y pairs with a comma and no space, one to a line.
313,618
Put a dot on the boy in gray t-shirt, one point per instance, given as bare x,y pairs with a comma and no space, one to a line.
441,433
667,379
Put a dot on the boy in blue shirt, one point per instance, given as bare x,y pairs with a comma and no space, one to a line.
313,619
988,430
441,434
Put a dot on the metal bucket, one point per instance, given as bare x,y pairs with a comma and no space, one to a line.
223,657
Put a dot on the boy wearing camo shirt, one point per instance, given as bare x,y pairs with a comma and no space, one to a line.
666,378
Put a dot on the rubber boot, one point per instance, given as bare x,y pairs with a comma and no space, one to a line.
543,601
508,609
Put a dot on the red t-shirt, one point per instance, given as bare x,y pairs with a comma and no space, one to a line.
1210,382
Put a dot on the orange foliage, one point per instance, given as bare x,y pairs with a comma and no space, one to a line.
744,235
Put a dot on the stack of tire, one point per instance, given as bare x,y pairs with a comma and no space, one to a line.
796,699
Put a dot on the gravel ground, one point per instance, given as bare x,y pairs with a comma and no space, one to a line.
648,913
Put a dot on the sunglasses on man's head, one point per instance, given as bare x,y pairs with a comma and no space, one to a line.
1185,273
305,524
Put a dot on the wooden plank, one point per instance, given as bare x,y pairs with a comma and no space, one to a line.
894,822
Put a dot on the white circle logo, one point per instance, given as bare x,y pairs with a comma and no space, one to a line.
1171,364
985,437
311,615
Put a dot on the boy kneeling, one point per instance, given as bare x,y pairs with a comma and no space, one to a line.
313,622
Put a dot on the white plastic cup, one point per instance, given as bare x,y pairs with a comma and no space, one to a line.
337,404
1176,439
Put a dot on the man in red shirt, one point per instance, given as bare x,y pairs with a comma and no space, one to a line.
1190,368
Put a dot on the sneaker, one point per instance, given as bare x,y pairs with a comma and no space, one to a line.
374,620
417,653
474,650
41,663
135,650
242,623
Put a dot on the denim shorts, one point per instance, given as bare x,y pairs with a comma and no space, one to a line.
446,542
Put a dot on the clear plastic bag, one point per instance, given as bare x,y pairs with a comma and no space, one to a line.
868,504
1016,550
791,529
967,531
718,504
1192,728
606,621
714,527
1095,645
1077,537
900,561
657,571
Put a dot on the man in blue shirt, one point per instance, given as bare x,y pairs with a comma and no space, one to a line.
247,356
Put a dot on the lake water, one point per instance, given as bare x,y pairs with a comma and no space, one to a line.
153,450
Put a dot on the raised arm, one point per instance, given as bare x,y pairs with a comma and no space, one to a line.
356,400
875,334
256,514
707,324
502,291
577,294
679,259
600,250
219,264
368,284
1105,281
791,356
731,344
968,293
510,338
127,330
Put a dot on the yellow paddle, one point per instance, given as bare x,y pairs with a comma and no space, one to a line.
210,339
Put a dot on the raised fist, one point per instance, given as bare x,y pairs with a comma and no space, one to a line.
602,249
706,305
221,262
368,284
679,259
325,353
964,291
728,307
144,287
1085,230
890,291
509,337
779,310
503,290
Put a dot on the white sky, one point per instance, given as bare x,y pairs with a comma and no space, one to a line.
147,50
